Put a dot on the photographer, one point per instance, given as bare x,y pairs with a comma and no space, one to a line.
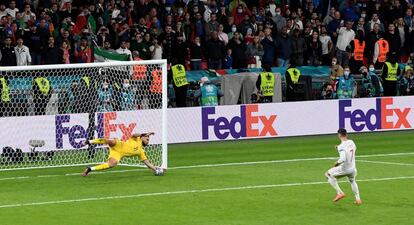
208,93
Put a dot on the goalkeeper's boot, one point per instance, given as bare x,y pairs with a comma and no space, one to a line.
86,172
339,197
358,202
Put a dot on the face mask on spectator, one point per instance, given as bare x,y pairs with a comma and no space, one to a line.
168,9
180,12
233,29
105,86
239,10
277,12
126,85
333,63
363,15
371,69
346,74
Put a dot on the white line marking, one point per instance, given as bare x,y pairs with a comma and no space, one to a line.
226,164
387,163
13,178
193,191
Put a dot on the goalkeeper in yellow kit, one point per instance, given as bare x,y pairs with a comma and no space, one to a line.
119,149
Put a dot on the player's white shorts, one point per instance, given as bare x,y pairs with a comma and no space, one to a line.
339,172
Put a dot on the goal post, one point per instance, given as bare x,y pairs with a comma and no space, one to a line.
46,111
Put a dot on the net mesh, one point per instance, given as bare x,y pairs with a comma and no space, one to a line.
46,113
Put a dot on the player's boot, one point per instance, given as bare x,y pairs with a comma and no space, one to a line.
86,172
338,197
358,202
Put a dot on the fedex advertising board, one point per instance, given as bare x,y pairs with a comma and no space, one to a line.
195,124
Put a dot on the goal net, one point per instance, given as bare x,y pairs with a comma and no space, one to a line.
47,111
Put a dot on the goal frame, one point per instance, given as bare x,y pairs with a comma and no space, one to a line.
162,62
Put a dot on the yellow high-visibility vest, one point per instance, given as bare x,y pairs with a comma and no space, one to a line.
43,84
5,94
267,83
179,75
294,75
392,71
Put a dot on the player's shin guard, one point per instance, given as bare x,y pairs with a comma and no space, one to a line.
98,141
103,166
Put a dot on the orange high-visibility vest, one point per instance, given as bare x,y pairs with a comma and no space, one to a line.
140,71
156,85
359,50
383,50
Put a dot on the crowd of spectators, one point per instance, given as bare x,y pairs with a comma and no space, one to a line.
214,34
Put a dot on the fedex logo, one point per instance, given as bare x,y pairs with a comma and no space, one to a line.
224,127
383,114
75,133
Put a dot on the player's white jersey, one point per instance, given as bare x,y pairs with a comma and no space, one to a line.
347,150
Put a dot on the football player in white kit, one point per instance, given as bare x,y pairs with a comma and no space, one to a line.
344,167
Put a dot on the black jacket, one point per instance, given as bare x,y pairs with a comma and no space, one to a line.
8,56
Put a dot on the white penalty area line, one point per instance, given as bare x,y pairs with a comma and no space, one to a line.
192,192
387,163
215,165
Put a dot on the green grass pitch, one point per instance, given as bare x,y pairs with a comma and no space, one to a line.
268,181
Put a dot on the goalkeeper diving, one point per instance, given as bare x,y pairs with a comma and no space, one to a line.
118,149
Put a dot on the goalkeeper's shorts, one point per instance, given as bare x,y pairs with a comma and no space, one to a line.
115,155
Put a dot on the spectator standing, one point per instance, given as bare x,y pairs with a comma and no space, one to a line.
22,53
12,10
139,45
278,19
215,52
327,44
393,39
238,48
314,50
83,53
180,53
168,39
285,48
345,36
123,49
254,53
7,54
222,36
64,53
211,25
299,47
269,47
51,53
196,54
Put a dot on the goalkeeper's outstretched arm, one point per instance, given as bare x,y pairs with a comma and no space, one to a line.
101,141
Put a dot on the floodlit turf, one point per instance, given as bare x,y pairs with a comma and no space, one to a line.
284,186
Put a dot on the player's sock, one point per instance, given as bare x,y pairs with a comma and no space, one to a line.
355,189
103,166
334,184
98,141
